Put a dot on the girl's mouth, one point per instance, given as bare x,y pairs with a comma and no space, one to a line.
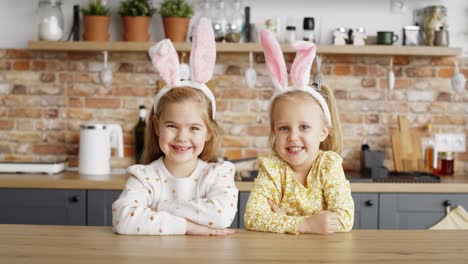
180,149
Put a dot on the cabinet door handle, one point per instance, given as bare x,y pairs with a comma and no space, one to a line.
447,203
369,203
74,199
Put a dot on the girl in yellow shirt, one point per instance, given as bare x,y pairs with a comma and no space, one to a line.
301,188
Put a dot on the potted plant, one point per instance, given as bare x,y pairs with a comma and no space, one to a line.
176,16
136,16
96,19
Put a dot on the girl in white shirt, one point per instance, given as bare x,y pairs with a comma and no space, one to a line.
180,190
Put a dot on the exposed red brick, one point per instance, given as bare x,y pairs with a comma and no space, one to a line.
24,113
360,70
232,70
18,54
373,118
81,55
102,103
5,65
444,97
21,65
18,89
237,93
51,113
258,130
233,153
126,67
340,94
422,71
401,60
342,69
49,149
38,65
133,91
443,61
65,77
446,72
399,83
81,114
368,83
232,141
7,124
48,77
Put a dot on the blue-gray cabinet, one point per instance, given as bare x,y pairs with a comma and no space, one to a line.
43,207
366,210
415,211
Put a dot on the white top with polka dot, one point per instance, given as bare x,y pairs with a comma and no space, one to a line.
154,202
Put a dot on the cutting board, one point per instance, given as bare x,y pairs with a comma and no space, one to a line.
406,146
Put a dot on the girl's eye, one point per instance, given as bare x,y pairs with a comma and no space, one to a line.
283,129
195,128
172,126
303,127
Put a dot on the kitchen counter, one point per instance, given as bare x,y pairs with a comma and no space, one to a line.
72,180
75,244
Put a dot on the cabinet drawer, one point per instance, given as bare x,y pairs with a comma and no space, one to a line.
416,211
366,210
47,207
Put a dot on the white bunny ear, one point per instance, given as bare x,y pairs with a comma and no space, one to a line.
203,53
274,59
166,61
300,69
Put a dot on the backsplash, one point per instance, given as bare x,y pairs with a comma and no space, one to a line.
45,96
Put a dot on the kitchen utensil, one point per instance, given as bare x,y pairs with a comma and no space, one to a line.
250,73
458,80
391,76
318,77
406,146
184,69
106,73
96,141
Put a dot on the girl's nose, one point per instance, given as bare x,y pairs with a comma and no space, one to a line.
293,135
182,135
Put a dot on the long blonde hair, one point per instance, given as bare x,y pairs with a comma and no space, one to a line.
151,149
334,140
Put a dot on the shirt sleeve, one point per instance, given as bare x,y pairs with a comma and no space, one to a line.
258,213
132,213
218,208
337,194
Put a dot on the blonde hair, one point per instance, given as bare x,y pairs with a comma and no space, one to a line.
333,141
151,149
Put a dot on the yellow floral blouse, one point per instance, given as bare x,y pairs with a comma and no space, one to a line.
326,189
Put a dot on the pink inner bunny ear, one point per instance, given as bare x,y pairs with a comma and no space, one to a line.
203,53
300,69
165,60
274,59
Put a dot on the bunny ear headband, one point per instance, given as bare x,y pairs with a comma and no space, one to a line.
300,69
202,62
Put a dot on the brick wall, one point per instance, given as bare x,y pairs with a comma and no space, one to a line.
45,96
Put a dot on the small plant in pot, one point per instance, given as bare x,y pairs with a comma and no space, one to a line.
96,19
176,16
136,16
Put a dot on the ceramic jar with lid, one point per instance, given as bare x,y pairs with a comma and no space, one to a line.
50,20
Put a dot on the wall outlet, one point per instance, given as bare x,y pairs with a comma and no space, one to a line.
454,142
398,6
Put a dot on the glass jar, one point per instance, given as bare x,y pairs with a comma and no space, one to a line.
446,163
50,20
434,18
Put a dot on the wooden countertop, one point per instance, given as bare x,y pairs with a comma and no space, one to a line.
72,180
86,244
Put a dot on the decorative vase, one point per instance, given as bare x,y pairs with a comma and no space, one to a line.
175,28
136,28
96,28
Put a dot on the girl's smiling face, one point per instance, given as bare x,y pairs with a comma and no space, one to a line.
182,132
298,128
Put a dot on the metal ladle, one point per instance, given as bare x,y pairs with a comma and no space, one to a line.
250,73
391,76
106,74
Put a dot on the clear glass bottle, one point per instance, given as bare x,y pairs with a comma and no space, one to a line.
50,20
235,23
140,134
219,21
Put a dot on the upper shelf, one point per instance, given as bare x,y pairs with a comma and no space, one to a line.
247,47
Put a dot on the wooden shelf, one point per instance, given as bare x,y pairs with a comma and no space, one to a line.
247,47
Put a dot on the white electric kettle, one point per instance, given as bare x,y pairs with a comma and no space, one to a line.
96,141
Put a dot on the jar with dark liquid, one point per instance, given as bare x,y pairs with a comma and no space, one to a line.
446,163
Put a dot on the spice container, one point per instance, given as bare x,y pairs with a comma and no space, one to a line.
290,35
446,163
50,20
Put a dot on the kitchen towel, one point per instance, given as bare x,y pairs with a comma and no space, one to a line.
456,218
